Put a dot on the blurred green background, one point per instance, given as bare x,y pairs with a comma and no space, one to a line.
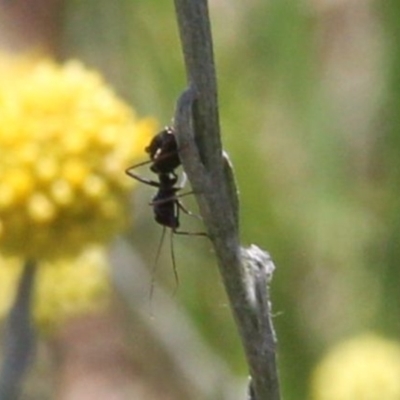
309,102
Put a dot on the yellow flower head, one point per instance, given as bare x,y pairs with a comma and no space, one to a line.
364,368
62,288
65,141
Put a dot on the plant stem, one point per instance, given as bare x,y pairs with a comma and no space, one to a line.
245,272
19,337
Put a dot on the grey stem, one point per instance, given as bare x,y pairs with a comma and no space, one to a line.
245,272
19,337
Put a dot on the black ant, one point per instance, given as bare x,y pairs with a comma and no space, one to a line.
164,159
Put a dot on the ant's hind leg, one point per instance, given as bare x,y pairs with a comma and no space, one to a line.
174,230
155,263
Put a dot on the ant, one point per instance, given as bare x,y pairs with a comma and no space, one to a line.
164,159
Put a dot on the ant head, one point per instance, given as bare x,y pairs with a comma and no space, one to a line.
163,152
154,147
163,141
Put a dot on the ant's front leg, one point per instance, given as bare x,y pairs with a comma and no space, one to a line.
140,178
146,162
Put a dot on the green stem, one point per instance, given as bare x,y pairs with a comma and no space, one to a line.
19,337
246,272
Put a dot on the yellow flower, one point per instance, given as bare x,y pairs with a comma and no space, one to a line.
62,289
65,141
363,368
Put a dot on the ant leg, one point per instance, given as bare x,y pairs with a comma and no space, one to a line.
184,194
153,271
190,233
171,241
185,210
141,179
139,165
154,267
169,199
174,230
